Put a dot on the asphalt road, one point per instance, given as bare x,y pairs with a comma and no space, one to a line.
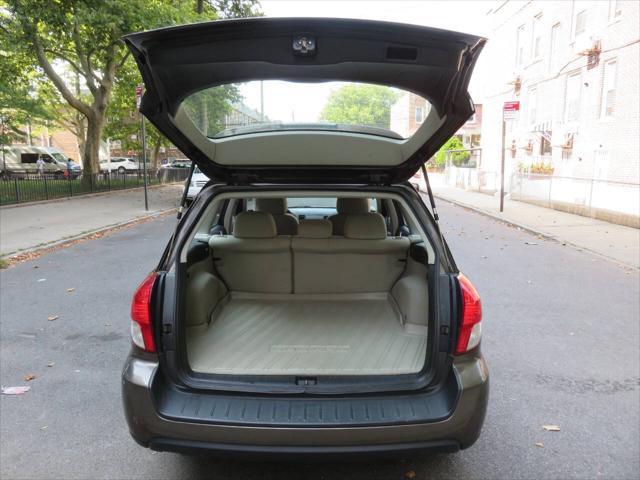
561,336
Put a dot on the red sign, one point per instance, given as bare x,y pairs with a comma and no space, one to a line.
510,110
139,90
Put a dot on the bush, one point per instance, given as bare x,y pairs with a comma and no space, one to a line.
457,158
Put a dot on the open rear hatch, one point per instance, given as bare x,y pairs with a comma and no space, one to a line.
179,62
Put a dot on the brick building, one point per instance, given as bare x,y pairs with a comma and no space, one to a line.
410,110
573,65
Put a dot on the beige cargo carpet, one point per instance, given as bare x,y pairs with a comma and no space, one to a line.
307,335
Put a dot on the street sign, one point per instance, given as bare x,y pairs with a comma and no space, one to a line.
139,90
510,110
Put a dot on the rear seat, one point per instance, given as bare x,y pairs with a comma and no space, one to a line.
255,259
364,260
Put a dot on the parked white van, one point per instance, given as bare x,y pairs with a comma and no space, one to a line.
21,160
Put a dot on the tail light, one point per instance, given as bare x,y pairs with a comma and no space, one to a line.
141,325
470,326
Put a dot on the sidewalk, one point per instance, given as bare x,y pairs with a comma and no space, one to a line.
617,242
25,227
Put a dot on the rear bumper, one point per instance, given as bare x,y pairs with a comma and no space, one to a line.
460,429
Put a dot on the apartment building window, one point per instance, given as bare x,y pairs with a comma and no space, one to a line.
572,106
554,53
581,23
419,114
533,105
607,104
520,46
536,34
614,9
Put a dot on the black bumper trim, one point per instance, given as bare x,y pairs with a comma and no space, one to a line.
300,452
304,412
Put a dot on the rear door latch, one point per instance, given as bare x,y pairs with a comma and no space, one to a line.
306,381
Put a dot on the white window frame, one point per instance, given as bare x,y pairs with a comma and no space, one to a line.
536,37
532,109
577,33
520,33
418,118
615,10
554,44
608,85
567,112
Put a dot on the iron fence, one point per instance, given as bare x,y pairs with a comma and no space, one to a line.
34,187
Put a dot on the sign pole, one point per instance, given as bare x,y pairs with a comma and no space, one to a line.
139,90
502,169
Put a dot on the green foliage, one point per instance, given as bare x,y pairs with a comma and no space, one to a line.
539,168
457,158
74,47
361,105
207,108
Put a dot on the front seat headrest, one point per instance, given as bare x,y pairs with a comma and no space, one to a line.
254,225
275,206
365,226
350,205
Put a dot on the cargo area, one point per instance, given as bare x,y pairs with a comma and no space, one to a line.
359,334
308,294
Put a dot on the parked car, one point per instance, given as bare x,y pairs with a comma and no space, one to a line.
307,303
123,165
21,160
176,163
198,180
418,181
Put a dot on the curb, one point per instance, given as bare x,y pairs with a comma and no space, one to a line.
84,195
526,228
533,231
88,233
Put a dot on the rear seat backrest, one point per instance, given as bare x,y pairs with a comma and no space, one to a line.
347,206
255,259
365,260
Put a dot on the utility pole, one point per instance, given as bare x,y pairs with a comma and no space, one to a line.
510,111
502,168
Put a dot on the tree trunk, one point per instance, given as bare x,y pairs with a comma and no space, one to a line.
91,154
154,154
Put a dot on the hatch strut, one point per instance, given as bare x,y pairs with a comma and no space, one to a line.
183,202
186,190
432,201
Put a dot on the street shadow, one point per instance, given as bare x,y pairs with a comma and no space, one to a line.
430,466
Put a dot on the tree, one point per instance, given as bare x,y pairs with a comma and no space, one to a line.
19,93
360,104
83,37
457,158
206,108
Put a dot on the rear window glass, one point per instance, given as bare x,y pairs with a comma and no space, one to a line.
274,105
311,202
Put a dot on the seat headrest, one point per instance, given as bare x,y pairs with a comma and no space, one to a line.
254,225
315,228
365,226
275,206
352,205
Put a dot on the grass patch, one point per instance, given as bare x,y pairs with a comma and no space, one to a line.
3,263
